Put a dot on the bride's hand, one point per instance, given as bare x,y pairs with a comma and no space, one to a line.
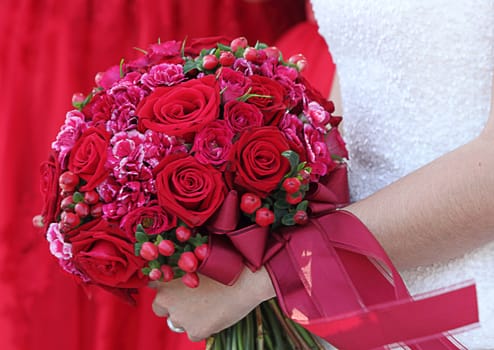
212,306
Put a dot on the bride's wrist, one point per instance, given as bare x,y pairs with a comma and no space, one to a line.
256,285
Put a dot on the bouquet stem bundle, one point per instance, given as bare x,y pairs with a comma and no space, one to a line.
264,328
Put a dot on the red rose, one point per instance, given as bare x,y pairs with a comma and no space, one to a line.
190,190
88,157
50,172
152,217
241,115
103,253
180,110
257,160
272,98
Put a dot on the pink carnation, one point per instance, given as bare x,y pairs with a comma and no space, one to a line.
69,133
163,74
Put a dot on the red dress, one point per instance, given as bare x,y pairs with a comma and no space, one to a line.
50,49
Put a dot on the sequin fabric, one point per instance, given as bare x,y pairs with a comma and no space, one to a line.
415,80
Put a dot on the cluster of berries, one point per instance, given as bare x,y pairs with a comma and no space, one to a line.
292,189
162,252
77,206
252,54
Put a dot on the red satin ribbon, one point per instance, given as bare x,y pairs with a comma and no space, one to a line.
334,278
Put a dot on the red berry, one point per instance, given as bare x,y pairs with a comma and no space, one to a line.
299,60
291,185
301,217
38,221
227,58
250,54
238,42
91,197
183,233
149,251
272,52
67,203
249,203
155,274
82,209
70,220
78,98
188,262
294,198
191,279
68,181
201,251
167,271
97,210
264,217
166,247
209,62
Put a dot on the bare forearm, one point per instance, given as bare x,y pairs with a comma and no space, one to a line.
438,212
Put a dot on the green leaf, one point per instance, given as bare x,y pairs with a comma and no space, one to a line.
137,249
154,264
224,47
303,205
190,65
158,240
140,228
78,197
141,237
146,270
293,158
288,220
281,204
260,46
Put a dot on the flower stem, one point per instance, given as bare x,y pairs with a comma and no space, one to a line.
280,340
260,331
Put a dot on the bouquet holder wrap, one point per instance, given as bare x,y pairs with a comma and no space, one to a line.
333,277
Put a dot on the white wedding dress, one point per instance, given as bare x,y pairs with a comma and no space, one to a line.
415,79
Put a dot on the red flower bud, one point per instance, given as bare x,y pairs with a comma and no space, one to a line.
190,279
149,251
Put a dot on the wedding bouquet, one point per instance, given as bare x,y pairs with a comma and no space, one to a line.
195,145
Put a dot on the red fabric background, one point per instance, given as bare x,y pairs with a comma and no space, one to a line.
50,49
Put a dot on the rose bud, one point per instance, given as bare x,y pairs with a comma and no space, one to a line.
201,251
68,181
191,279
249,203
38,221
238,42
91,197
250,54
154,275
149,251
294,198
77,99
67,204
209,62
183,233
97,210
166,247
167,271
291,184
272,52
301,217
188,262
227,58
264,217
82,209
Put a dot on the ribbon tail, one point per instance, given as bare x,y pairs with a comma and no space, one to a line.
341,294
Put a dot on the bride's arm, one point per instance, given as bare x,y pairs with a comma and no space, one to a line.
440,211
